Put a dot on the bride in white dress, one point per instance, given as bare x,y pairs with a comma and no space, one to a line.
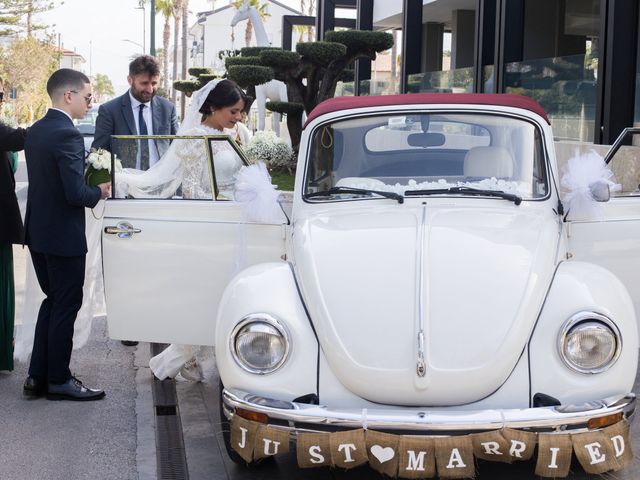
218,106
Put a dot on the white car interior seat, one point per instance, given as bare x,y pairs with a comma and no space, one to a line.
488,162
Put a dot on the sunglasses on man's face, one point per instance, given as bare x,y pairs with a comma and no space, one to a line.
87,99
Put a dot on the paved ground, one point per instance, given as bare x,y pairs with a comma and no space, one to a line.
47,440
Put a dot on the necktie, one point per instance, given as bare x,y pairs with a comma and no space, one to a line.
144,144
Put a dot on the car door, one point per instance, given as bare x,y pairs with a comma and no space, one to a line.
166,262
613,240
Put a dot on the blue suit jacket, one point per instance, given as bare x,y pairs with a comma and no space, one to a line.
57,194
116,118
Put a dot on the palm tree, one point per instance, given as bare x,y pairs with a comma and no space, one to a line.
102,87
165,8
262,10
185,48
176,10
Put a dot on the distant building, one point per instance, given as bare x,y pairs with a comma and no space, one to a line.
212,33
71,59
579,58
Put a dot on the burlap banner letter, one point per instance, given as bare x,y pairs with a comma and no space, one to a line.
521,444
454,457
243,436
618,436
348,448
382,449
270,441
491,446
603,450
554,455
417,458
313,450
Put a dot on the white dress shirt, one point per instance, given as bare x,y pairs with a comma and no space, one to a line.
148,119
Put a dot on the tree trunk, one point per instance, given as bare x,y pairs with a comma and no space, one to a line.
166,37
176,38
248,33
185,48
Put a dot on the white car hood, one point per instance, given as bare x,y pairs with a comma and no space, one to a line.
473,279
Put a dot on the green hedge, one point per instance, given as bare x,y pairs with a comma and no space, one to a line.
232,61
361,40
321,53
280,58
285,107
248,75
255,51
198,71
187,86
206,78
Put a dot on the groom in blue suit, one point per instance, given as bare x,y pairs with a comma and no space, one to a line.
55,232
137,112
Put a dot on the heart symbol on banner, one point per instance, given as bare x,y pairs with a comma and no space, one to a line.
383,454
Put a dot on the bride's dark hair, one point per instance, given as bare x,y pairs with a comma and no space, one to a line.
225,94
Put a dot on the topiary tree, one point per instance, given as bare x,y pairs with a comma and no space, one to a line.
203,75
311,73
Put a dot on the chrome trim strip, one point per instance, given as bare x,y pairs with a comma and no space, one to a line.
431,420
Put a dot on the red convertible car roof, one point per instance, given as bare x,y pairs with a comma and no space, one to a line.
502,99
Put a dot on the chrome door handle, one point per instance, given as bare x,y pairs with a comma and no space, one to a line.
123,230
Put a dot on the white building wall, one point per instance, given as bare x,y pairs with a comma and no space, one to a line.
218,34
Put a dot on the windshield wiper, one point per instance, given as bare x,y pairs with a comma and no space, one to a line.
357,191
467,191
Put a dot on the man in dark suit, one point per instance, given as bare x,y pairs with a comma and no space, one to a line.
137,112
55,233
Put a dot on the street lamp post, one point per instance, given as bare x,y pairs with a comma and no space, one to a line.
152,28
144,26
135,43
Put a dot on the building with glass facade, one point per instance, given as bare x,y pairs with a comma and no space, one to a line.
577,58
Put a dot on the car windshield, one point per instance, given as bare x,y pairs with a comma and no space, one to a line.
426,152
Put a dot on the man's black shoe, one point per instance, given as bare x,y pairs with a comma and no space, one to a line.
128,343
34,388
73,389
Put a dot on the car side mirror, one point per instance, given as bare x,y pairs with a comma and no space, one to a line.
600,191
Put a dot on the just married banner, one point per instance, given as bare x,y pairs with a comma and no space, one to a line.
408,456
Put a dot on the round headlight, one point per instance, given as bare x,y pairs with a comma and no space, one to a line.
260,344
590,343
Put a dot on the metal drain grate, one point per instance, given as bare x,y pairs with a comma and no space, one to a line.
170,453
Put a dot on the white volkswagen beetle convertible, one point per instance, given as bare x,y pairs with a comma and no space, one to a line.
426,273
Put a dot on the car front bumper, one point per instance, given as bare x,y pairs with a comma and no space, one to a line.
300,417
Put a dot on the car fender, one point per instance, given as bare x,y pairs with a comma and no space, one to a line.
268,288
579,287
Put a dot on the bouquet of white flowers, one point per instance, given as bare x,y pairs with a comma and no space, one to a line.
99,167
266,146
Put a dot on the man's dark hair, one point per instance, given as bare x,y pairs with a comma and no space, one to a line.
66,79
144,64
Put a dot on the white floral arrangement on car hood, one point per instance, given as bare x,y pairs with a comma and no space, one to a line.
267,147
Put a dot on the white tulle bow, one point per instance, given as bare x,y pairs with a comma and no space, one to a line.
580,172
258,195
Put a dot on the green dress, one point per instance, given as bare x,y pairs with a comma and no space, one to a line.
7,307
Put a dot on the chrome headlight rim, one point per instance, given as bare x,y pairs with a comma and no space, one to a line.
271,321
582,317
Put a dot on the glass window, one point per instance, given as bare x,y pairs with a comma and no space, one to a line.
420,151
183,172
559,66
